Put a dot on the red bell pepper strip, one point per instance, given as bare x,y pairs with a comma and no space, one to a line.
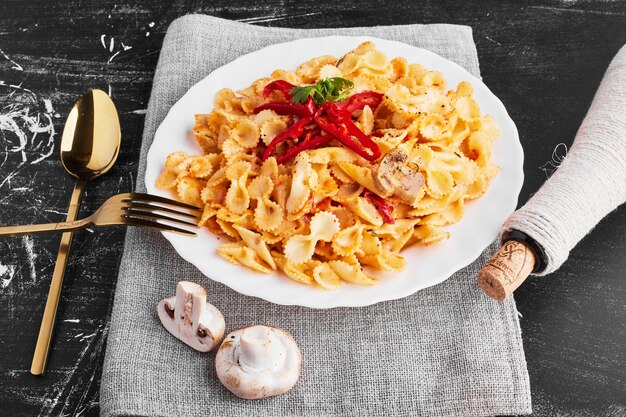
292,132
360,100
280,85
331,119
384,208
303,146
286,109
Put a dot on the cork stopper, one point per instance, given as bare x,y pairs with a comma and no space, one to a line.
506,270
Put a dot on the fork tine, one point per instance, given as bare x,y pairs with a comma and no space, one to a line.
142,222
158,199
151,215
155,208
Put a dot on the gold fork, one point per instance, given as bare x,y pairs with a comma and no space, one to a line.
129,209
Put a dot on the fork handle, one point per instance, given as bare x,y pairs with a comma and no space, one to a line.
33,229
42,347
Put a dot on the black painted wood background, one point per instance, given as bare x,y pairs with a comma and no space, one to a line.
544,59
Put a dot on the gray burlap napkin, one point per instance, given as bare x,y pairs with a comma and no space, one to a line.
445,351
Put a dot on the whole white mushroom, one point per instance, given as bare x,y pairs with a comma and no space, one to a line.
258,361
190,318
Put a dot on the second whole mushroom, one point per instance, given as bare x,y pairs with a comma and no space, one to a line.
258,362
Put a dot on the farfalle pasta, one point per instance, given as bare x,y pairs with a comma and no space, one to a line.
328,172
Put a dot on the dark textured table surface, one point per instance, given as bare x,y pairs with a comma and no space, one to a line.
544,59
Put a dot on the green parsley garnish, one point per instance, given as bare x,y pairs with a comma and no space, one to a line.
329,89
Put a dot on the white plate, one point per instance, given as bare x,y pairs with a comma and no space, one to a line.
426,266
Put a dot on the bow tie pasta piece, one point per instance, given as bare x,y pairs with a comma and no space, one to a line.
175,169
290,76
348,241
332,154
468,109
237,198
239,254
255,242
365,210
270,168
289,228
352,273
345,216
451,214
329,71
428,235
226,220
214,195
208,213
348,192
396,230
322,183
223,98
282,186
300,191
373,254
324,275
270,129
395,245
246,134
390,139
302,273
309,71
429,205
267,215
189,191
231,149
324,250
434,127
362,175
300,248
385,261
266,115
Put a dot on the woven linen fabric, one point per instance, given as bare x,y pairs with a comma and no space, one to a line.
444,351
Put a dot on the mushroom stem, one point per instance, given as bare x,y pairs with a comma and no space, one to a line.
190,304
258,351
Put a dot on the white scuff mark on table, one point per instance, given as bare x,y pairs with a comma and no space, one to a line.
28,245
111,48
151,24
7,272
72,320
55,211
572,10
277,17
496,42
558,155
113,56
15,66
110,91
26,129
87,336
139,111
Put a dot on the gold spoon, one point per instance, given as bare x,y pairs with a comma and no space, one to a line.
89,147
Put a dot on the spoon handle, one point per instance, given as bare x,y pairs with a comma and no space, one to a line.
47,322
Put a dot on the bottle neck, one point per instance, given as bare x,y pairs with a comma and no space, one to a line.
540,255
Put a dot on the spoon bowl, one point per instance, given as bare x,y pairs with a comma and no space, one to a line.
91,137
